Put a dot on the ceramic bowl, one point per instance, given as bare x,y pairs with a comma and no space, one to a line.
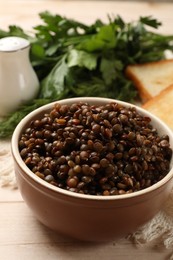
89,217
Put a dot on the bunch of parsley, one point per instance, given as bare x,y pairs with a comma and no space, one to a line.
73,59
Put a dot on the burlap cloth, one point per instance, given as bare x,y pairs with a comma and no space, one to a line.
160,228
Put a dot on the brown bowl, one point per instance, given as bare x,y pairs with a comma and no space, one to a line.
89,217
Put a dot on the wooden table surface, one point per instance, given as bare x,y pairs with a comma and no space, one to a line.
21,235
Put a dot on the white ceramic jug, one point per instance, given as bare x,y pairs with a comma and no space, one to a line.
18,80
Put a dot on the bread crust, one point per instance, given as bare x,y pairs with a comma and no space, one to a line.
142,88
159,97
162,105
143,93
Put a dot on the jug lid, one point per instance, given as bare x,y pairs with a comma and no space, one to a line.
13,43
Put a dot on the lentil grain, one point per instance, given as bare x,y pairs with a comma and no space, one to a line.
99,150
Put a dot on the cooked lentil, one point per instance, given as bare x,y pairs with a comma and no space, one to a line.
97,150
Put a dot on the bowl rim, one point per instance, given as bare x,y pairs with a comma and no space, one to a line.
16,155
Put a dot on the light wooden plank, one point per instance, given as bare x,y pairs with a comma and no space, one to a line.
61,252
26,12
8,194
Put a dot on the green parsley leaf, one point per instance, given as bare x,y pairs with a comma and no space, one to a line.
82,59
109,69
104,39
53,85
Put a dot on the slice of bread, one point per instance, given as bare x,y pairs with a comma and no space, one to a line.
162,106
151,78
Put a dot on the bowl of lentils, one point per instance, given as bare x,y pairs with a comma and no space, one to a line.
94,169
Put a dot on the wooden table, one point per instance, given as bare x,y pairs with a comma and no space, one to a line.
21,235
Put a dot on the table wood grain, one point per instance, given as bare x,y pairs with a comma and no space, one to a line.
21,235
